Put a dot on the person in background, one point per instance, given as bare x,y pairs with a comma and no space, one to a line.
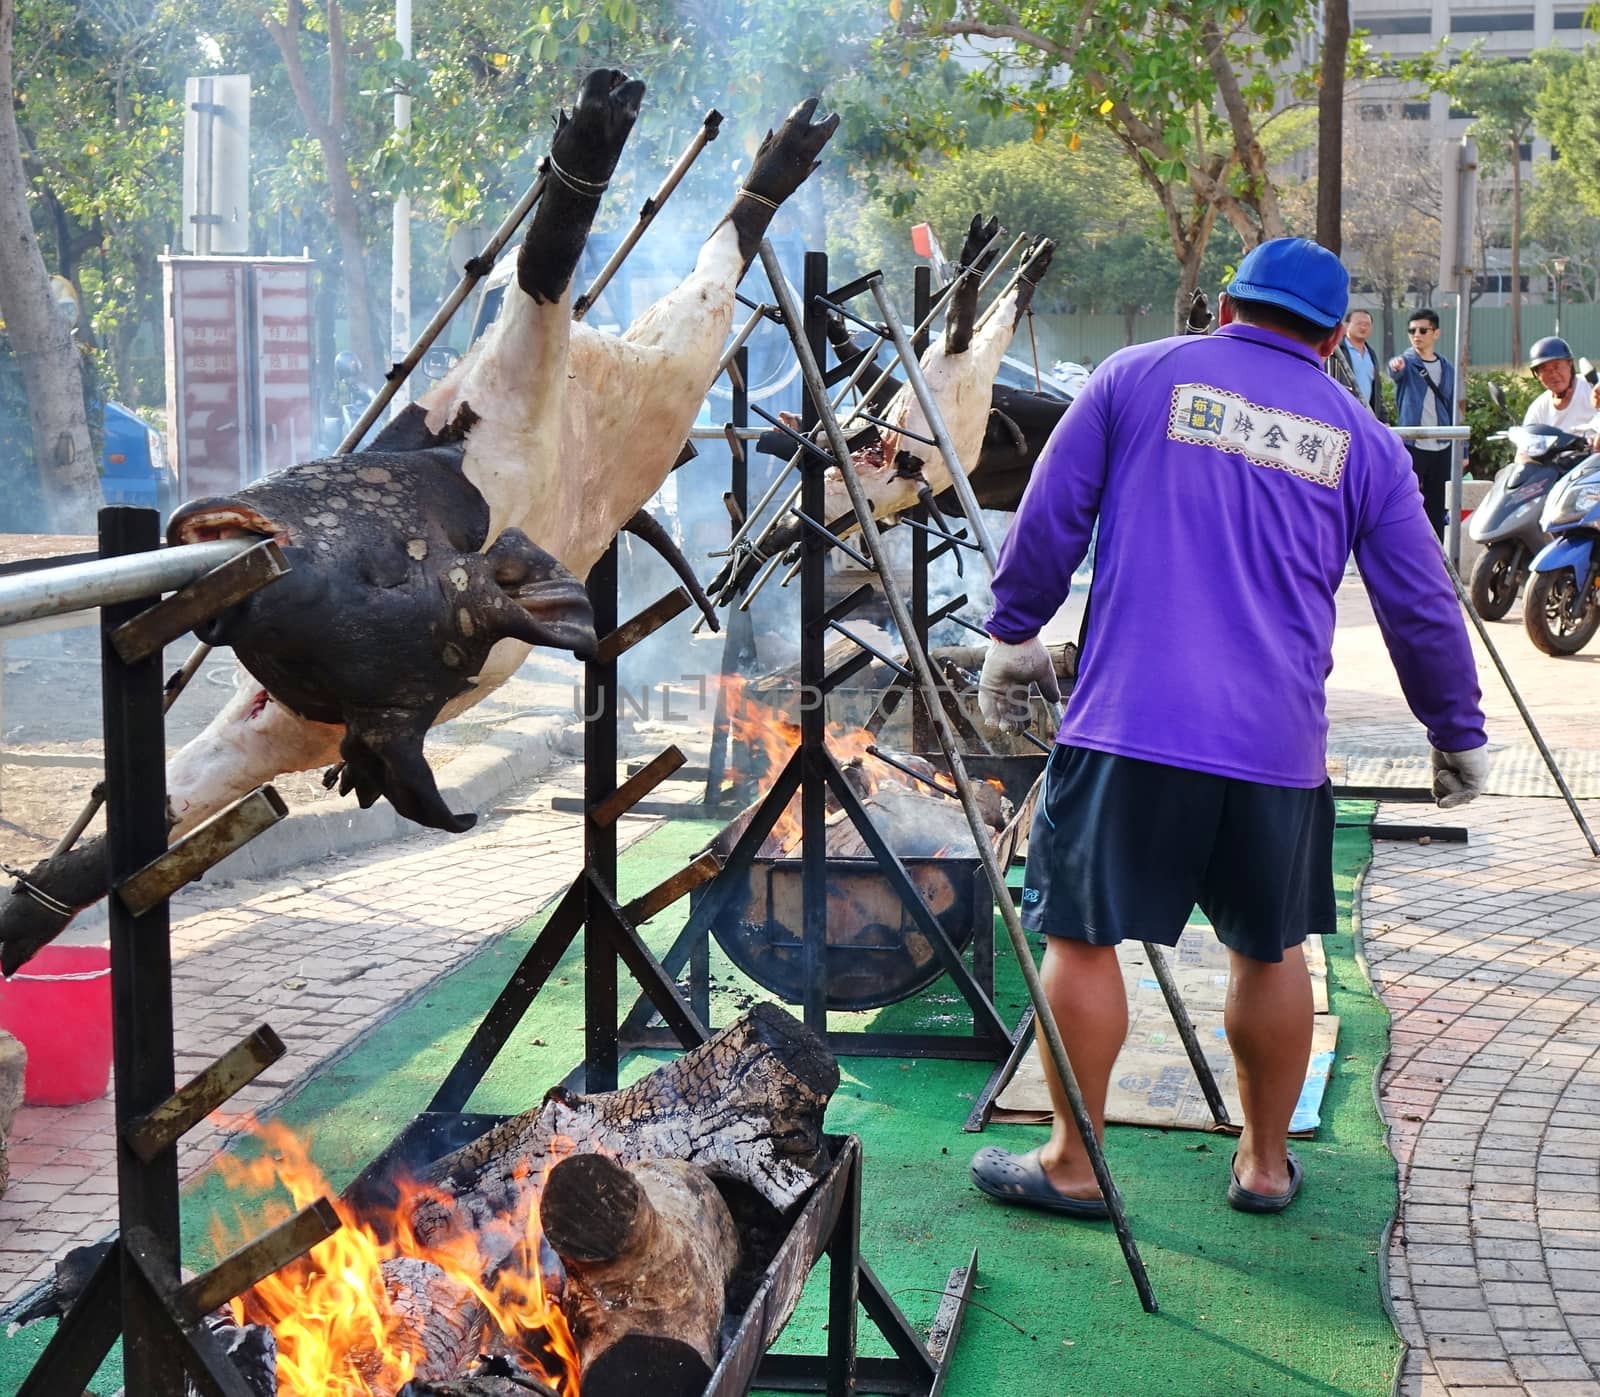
1191,767
1355,365
1567,401
1425,395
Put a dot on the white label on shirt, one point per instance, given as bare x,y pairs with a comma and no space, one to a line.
1283,441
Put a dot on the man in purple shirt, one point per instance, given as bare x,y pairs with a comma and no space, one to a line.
1231,479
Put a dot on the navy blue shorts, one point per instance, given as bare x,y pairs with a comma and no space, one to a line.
1122,849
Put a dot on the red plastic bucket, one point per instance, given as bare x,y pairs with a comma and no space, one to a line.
59,1006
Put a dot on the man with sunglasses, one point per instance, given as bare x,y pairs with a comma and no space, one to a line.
1425,395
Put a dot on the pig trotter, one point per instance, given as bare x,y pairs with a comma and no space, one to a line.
44,901
646,527
583,154
963,312
783,162
1035,262
382,752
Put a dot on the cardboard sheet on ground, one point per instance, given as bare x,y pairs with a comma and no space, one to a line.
1153,1083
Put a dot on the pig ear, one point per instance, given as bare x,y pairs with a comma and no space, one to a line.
382,751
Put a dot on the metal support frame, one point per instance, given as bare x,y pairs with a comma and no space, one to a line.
137,1290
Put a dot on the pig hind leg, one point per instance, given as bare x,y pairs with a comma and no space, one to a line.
583,154
783,162
963,312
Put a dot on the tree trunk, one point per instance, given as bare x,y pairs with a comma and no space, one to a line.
648,1251
1330,122
1189,259
328,132
42,340
1516,248
1387,308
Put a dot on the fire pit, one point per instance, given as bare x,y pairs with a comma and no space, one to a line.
876,954
653,1239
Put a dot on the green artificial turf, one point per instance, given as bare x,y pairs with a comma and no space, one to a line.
1285,1305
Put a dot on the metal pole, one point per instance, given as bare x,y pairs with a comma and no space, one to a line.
109,581
475,271
1464,204
952,753
651,207
1522,708
400,243
141,970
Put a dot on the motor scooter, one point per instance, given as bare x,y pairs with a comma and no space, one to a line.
1561,611
1506,522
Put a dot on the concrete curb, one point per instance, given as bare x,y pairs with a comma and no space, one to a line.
513,753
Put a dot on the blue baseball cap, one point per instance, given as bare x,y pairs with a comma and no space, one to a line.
1298,275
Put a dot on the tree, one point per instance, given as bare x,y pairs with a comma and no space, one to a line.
1502,94
39,335
1330,121
1563,226
1186,89
1391,220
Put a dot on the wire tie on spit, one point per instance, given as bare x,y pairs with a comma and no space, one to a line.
590,189
38,894
749,193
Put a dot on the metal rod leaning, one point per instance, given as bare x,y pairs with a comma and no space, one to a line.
710,124
1522,708
476,269
952,754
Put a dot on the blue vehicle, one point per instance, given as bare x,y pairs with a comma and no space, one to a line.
134,465
1561,611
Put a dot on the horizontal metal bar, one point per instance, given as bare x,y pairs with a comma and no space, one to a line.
154,1131
1443,433
842,608
721,433
1414,795
655,809
850,315
1038,742
950,540
270,1252
843,671
1433,834
669,890
156,626
51,560
106,581
636,787
948,610
202,848
646,623
975,629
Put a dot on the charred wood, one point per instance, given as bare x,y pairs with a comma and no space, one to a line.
747,1105
649,1249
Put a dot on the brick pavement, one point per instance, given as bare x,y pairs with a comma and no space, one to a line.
1487,955
320,956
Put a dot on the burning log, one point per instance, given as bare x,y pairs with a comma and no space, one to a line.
649,1250
441,1320
746,1105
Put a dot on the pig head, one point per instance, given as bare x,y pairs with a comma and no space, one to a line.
391,605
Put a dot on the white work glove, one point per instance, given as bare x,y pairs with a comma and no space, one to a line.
1459,776
1008,670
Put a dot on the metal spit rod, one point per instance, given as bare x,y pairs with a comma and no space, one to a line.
709,126
867,358
1522,708
952,753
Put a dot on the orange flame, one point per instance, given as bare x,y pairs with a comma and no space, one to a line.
338,1333
768,737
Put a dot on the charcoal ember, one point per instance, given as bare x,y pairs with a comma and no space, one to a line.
439,1318
53,1298
253,1350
